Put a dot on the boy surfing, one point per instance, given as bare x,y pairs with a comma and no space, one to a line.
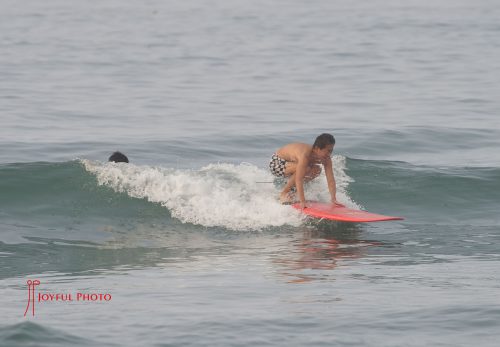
300,162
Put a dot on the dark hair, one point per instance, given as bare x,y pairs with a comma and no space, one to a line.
118,157
324,140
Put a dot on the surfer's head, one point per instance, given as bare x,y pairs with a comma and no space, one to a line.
323,145
324,140
118,157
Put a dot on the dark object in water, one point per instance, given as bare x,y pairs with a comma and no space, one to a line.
118,157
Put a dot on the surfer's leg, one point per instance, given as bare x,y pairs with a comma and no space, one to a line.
285,196
282,169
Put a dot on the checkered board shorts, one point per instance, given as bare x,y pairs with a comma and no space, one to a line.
277,166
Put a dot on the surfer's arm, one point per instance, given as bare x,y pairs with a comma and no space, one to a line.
330,179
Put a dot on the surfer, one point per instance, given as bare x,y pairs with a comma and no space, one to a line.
300,162
118,157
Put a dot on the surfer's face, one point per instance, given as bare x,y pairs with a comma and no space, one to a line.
323,153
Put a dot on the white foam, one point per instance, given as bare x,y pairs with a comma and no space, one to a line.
224,195
317,189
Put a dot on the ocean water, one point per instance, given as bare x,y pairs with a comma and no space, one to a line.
188,241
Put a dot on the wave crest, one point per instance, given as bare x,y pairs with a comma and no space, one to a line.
237,197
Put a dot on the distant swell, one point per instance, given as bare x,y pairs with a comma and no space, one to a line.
33,334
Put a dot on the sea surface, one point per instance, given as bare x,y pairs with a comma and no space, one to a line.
188,241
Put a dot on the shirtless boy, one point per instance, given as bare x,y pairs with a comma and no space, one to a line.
300,162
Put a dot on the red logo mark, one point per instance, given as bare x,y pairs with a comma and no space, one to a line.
31,295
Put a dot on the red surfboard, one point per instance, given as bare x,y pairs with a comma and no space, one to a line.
341,213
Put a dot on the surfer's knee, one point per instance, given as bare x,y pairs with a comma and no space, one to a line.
118,157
